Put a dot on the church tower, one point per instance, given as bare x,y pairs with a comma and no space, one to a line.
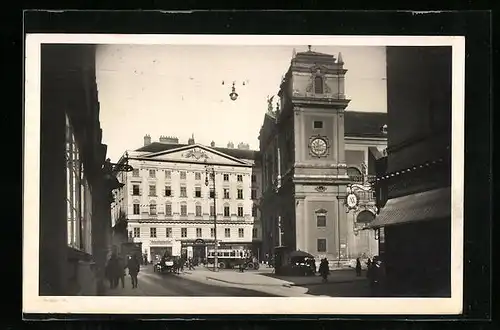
312,155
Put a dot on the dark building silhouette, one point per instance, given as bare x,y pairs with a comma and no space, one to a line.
414,180
74,195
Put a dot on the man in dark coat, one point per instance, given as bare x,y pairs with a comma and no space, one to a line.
134,267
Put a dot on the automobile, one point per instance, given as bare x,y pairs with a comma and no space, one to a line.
164,265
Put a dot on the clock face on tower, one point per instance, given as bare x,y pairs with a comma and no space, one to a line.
318,146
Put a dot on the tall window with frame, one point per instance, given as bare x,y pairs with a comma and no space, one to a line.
78,196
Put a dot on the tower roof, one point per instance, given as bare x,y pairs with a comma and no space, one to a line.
312,56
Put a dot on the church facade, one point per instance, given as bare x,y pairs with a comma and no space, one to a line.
312,152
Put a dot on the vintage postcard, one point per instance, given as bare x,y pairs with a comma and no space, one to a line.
238,174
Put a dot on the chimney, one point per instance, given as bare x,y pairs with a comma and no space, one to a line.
230,145
147,139
191,139
169,139
212,144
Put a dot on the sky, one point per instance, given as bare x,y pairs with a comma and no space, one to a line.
177,90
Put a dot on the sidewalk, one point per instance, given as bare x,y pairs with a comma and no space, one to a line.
265,277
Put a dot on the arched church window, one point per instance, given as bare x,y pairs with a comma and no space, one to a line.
354,174
318,85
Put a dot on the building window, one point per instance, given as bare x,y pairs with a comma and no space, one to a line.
197,192
168,209
254,178
240,211
226,193
318,124
152,173
239,178
198,232
168,174
137,232
184,232
152,190
254,211
183,192
152,208
321,220
168,232
318,85
254,194
130,234
183,210
198,210
227,232
321,244
136,191
168,191
241,233
137,209
183,175
226,211
212,211
226,177
152,232
212,193
197,176
212,232
254,232
240,193
135,172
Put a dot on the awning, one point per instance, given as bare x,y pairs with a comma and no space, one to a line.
428,205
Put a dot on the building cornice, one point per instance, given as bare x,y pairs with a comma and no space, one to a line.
190,162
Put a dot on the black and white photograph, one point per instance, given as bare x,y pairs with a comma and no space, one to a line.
281,172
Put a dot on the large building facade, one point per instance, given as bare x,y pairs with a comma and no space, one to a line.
312,150
75,221
415,216
171,204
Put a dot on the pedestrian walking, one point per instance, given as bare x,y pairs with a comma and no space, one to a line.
358,267
134,267
122,264
324,269
113,269
190,264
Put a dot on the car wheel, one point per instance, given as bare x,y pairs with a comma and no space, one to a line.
222,265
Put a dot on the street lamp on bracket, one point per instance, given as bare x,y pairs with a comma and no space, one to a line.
210,173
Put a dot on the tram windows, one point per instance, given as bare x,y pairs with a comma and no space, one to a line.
233,253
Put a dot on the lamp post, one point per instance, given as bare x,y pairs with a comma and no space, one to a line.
210,171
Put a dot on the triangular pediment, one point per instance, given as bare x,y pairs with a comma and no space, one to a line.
196,153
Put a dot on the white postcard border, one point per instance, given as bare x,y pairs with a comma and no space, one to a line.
32,303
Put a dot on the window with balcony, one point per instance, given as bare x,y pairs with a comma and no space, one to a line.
226,193
152,232
184,232
197,192
183,210
183,192
212,232
241,232
198,210
152,208
321,244
227,232
152,190
137,208
168,191
240,211
211,193
198,233
240,194
197,176
168,232
226,211
135,172
136,191
152,173
239,178
183,175
226,177
137,232
168,209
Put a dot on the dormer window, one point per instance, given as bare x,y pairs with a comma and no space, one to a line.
318,85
